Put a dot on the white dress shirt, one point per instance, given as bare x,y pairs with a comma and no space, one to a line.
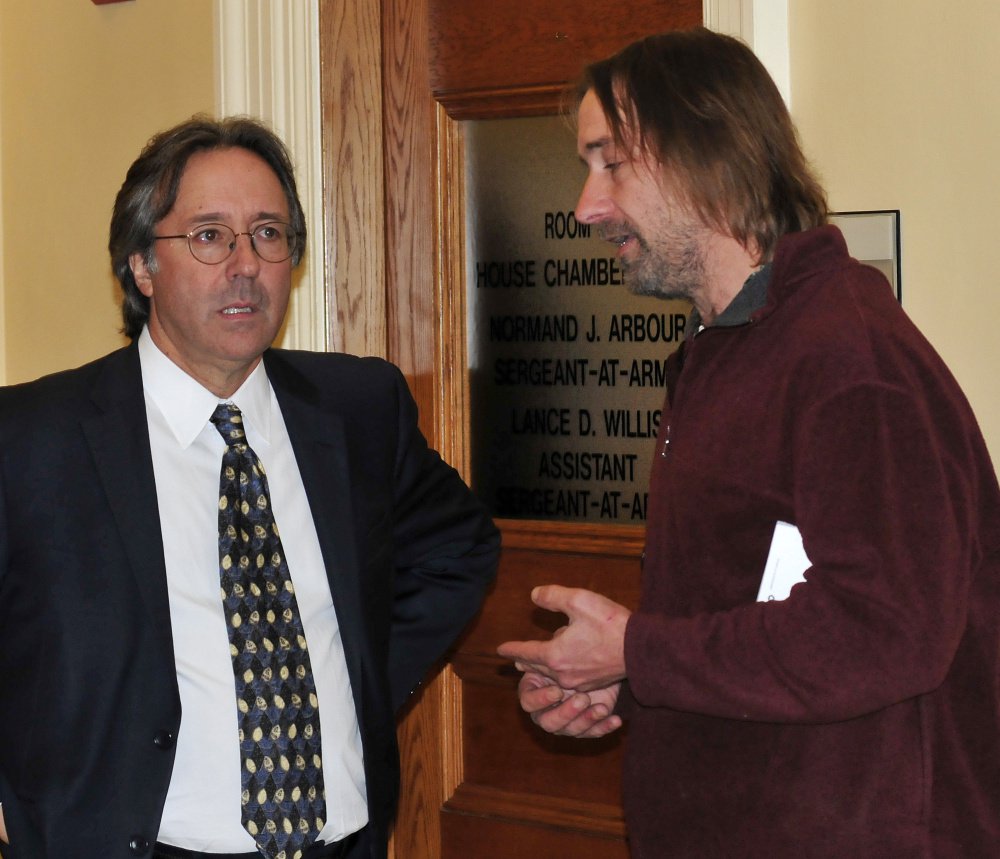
202,810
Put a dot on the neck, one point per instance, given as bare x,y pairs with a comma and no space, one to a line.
728,265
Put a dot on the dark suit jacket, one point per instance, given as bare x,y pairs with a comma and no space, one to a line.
89,707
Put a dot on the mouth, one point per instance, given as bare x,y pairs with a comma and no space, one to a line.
238,310
619,236
622,244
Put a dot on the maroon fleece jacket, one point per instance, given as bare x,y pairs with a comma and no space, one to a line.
861,716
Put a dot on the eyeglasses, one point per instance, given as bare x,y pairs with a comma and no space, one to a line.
274,241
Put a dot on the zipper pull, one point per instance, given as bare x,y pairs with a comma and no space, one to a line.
666,443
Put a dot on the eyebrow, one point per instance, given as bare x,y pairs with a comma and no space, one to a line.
220,218
595,146
600,143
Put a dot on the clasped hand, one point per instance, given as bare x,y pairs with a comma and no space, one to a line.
571,682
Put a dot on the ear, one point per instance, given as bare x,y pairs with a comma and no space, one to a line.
143,276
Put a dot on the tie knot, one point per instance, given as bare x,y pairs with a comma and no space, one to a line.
228,420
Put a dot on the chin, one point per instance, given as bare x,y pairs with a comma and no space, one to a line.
641,286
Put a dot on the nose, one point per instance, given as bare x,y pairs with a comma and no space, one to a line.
243,260
594,205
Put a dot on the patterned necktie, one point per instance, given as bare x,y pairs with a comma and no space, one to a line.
283,799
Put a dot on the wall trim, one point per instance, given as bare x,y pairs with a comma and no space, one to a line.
763,25
267,66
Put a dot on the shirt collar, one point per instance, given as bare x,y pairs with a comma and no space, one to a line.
751,298
186,405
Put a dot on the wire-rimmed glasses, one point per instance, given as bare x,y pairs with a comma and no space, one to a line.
272,241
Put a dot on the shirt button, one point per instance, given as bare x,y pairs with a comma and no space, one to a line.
138,845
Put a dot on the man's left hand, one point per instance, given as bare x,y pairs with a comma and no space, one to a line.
586,715
588,653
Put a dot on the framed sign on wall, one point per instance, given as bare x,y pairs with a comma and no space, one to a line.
873,238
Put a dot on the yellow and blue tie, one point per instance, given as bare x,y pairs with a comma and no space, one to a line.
283,800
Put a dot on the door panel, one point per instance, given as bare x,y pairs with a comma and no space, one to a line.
510,58
485,838
540,792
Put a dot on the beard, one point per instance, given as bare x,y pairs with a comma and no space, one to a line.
673,267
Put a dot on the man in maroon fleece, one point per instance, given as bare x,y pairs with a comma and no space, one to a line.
844,705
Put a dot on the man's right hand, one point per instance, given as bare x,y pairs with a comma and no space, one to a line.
586,715
3,827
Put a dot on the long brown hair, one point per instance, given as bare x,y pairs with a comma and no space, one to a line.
703,107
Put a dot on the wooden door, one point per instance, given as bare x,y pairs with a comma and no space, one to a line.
479,779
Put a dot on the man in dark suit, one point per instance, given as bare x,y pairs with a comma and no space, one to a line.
141,712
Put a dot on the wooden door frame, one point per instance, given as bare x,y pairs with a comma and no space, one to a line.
391,190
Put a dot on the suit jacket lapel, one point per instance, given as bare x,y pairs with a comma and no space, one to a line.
317,436
119,441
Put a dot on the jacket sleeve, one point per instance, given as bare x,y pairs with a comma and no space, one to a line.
446,551
889,506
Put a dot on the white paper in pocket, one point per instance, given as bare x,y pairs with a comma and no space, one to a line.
786,564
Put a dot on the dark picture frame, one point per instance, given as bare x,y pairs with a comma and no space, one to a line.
873,237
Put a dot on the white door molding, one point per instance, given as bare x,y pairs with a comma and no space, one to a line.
763,25
267,66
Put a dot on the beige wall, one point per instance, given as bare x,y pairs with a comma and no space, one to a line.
898,106
82,87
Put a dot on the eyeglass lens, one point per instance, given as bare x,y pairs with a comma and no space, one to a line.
213,243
